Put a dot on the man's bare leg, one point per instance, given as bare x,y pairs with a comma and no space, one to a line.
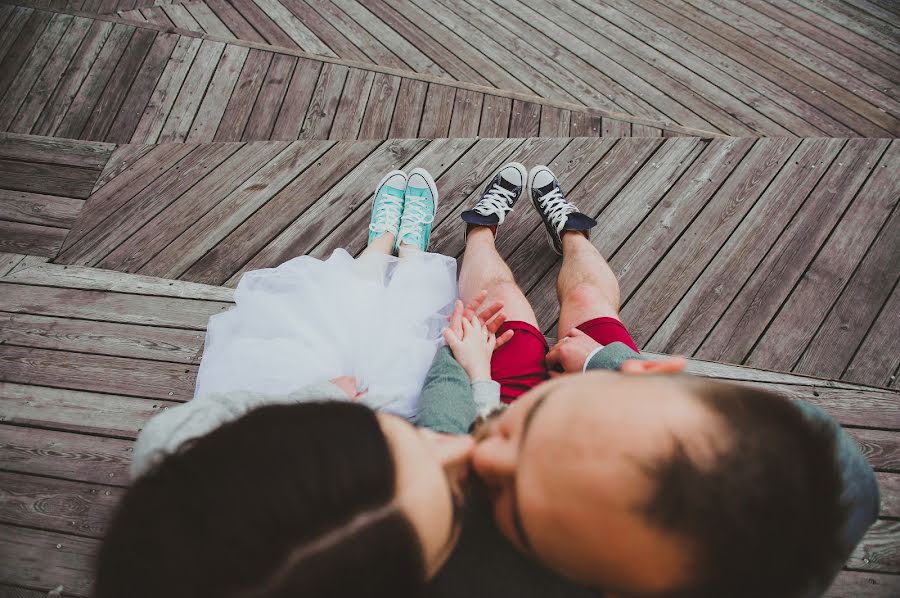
586,286
484,269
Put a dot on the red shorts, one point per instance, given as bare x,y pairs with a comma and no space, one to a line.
519,364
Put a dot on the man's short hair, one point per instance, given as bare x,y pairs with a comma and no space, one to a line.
778,511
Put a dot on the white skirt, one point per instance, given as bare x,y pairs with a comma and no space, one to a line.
378,318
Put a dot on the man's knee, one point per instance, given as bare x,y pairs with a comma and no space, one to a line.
590,298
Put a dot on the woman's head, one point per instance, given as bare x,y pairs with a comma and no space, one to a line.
317,499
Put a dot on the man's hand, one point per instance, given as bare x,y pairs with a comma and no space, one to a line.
570,353
491,317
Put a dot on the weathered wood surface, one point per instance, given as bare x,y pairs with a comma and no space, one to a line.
79,378
740,67
146,84
720,245
43,184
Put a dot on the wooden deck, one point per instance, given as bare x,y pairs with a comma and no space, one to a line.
152,151
775,253
90,79
751,67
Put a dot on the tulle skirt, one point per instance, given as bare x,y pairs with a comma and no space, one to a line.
378,318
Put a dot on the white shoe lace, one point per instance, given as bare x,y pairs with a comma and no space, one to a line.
496,201
557,208
415,219
386,218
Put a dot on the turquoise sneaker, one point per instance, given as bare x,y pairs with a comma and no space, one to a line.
387,207
419,209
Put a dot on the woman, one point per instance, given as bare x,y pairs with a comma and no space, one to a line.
278,479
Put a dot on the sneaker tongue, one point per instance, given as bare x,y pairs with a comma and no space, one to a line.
546,188
473,217
507,184
579,221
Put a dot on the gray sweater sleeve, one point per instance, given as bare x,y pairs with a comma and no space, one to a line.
450,403
611,357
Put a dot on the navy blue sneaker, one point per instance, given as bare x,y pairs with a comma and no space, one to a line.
499,197
558,214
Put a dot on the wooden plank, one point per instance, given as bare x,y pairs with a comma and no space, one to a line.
408,113
27,39
169,84
615,128
93,246
365,41
889,485
81,277
207,19
554,122
835,342
302,234
127,69
266,27
525,120
122,157
652,240
438,111
181,18
585,125
100,338
269,100
190,207
305,39
9,261
236,23
881,448
50,179
872,29
495,116
97,373
864,584
681,327
734,337
376,121
52,72
848,408
324,102
819,288
181,117
215,101
251,235
879,549
253,193
466,117
323,29
129,114
146,168
30,239
37,208
57,454
300,90
47,559
94,82
352,105
878,356
50,150
13,27
32,63
57,505
107,306
240,105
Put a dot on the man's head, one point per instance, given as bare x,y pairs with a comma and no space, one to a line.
668,485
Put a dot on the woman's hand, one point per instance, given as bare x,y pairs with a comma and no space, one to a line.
491,317
348,385
473,348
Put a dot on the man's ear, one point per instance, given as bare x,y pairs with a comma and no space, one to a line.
656,366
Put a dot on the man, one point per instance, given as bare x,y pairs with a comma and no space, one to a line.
628,475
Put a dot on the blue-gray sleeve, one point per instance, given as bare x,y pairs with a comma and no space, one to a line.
448,402
611,357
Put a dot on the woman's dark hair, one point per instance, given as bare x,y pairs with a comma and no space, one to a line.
287,501
766,518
